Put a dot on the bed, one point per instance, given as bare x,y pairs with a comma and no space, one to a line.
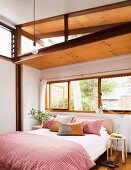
70,152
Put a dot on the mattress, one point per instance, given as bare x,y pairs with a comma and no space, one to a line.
94,145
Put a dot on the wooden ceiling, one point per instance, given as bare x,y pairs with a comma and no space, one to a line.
93,51
83,22
110,35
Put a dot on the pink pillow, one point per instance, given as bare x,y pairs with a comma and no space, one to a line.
49,123
92,126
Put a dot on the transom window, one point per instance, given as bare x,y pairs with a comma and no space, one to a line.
5,42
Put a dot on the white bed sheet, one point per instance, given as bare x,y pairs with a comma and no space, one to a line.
94,145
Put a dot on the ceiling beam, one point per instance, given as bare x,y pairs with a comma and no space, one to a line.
84,30
91,38
82,12
31,37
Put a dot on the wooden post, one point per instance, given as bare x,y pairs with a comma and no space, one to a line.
50,97
66,27
99,92
69,95
18,80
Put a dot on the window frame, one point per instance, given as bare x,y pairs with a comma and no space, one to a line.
13,40
99,94
50,99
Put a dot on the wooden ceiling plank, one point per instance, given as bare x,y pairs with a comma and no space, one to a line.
91,38
31,37
77,13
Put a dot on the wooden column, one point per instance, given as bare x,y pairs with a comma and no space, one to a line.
69,95
50,95
99,92
66,27
18,80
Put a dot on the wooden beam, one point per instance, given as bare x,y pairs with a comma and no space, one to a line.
101,8
86,11
99,93
66,27
31,37
18,98
95,37
18,80
69,95
18,42
84,30
54,18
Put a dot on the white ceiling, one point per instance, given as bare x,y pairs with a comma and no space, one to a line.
21,11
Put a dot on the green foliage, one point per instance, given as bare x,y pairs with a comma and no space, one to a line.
89,92
108,85
39,115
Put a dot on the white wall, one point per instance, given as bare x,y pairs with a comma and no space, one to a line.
30,95
7,96
100,67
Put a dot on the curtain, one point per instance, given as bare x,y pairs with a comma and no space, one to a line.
43,84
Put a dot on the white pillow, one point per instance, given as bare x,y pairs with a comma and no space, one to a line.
64,118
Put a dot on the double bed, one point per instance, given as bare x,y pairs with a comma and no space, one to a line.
30,150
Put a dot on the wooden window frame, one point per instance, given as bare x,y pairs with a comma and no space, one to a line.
99,95
50,99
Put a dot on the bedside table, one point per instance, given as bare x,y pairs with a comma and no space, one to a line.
123,147
36,127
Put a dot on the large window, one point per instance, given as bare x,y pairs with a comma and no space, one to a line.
89,94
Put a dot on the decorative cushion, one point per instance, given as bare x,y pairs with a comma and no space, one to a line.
66,129
64,118
48,123
92,126
55,127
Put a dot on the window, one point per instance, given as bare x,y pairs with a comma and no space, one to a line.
5,41
89,94
116,93
59,95
84,95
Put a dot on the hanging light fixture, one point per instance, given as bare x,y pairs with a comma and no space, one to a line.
35,49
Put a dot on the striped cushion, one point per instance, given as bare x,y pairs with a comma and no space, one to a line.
66,129
92,126
48,123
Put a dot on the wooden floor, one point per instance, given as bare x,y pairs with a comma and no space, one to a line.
116,157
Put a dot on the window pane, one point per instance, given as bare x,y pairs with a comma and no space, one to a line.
59,95
116,93
84,95
5,42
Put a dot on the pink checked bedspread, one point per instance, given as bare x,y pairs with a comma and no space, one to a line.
25,151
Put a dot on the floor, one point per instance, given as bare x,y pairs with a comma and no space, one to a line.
116,157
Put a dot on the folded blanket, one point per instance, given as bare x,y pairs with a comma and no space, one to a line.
26,151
